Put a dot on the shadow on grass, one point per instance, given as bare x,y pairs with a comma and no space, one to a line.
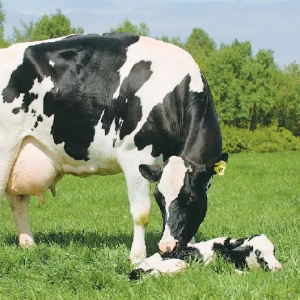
85,238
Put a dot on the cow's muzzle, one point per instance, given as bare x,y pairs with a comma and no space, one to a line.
167,247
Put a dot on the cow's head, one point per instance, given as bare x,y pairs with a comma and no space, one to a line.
181,196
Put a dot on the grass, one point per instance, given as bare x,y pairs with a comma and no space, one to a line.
84,237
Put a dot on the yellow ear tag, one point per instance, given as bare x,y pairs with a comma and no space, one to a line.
220,167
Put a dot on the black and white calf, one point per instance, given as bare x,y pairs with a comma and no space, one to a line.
104,104
254,251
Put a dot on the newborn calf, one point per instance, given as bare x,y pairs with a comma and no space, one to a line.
254,251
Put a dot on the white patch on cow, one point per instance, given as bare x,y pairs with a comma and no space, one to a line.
51,63
171,182
41,88
166,237
172,179
82,170
164,58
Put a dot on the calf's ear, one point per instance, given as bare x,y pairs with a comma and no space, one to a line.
151,173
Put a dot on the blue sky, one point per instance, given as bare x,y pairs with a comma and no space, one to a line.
267,24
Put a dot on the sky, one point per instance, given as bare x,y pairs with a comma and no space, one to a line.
266,24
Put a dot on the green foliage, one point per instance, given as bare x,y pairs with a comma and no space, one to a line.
2,19
46,27
287,98
3,43
174,40
84,235
268,139
243,85
127,27
200,46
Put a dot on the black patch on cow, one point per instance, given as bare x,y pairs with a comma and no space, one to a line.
16,110
229,252
165,127
38,119
126,110
187,254
185,124
85,77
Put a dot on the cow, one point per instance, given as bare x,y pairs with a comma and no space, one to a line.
103,104
245,253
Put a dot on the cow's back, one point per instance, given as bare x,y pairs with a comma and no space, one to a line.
85,97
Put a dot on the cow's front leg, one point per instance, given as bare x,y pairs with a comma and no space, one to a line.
20,210
140,208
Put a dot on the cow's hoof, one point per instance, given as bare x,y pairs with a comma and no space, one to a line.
26,241
136,257
135,260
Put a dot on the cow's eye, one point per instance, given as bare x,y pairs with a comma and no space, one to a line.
191,199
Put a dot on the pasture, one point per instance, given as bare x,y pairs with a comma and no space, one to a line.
84,236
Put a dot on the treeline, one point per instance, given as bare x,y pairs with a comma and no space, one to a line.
252,93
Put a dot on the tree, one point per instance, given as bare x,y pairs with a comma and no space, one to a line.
3,43
174,40
224,73
200,46
127,27
259,74
243,85
288,98
46,27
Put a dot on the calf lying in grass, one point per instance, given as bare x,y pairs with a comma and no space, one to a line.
254,251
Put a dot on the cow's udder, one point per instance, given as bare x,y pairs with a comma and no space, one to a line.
34,170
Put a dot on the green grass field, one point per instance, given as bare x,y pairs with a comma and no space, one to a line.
84,236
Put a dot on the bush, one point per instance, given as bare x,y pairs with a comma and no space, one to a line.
262,140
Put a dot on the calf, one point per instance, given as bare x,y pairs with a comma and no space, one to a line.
254,251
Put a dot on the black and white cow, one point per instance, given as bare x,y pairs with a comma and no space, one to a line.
102,104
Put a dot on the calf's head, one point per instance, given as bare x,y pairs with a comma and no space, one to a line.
265,252
181,196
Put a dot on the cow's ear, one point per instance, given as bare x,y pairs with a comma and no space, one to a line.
151,173
217,165
223,156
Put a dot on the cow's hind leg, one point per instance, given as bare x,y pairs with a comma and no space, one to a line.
20,210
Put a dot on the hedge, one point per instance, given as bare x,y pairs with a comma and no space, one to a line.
262,140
